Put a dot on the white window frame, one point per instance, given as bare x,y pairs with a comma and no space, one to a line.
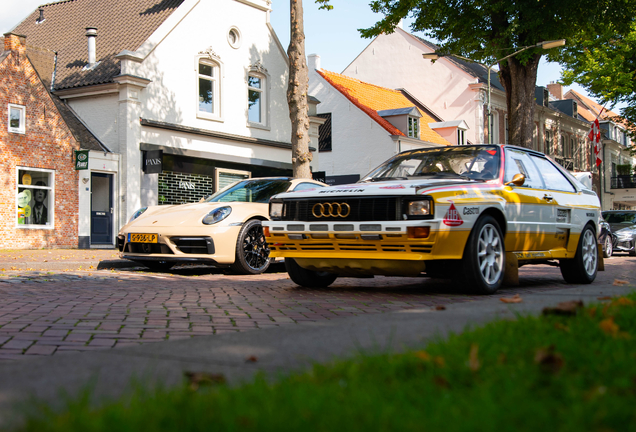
264,93
416,126
21,129
50,193
461,136
219,171
210,59
236,44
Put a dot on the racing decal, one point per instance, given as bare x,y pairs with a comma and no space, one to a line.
340,191
452,217
563,216
470,211
392,187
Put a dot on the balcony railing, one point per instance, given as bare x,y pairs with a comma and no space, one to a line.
624,182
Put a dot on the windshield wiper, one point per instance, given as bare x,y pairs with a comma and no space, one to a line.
444,174
375,179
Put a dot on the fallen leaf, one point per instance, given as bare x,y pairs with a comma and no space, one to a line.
549,359
441,382
563,327
623,301
251,359
422,355
473,358
564,308
609,326
514,299
440,307
439,361
620,282
604,298
197,379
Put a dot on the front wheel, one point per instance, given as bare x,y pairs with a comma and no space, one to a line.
484,257
608,249
252,251
583,267
308,278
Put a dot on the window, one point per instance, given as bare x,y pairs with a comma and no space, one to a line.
208,88
518,162
552,177
414,127
324,133
234,37
35,198
255,99
17,119
226,177
507,129
548,142
307,186
461,137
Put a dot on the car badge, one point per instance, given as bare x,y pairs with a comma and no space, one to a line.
452,217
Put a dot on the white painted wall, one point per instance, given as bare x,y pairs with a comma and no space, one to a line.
395,61
99,113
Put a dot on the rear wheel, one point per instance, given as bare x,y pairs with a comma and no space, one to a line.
583,267
252,251
608,249
484,257
308,278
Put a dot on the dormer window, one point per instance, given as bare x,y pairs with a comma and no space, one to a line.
414,127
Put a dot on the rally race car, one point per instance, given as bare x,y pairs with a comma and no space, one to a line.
458,211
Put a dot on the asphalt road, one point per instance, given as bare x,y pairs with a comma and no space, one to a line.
61,330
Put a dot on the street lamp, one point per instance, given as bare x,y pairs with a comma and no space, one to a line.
544,45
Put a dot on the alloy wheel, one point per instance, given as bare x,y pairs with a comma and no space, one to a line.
490,254
255,248
589,252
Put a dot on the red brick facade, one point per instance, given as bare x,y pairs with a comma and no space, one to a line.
47,144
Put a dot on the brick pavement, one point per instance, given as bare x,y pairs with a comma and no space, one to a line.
55,312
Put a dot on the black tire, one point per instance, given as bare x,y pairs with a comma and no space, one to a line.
633,251
583,267
608,249
252,251
308,278
484,259
158,266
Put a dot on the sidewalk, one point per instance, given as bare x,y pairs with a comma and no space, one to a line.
61,259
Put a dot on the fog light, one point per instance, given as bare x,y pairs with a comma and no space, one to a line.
418,232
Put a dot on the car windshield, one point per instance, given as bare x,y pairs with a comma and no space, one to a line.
625,218
257,191
467,162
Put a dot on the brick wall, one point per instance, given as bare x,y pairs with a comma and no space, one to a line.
181,188
46,144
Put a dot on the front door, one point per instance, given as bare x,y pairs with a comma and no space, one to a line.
101,208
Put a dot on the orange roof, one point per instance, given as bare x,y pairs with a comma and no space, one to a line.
371,99
590,109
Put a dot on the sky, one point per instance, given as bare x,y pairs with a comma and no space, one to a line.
331,34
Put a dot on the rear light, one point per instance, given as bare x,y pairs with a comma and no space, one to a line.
418,232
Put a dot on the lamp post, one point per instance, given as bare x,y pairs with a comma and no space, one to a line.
544,45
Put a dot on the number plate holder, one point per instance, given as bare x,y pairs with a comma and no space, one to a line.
142,238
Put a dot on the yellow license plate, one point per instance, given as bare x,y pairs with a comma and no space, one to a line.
142,238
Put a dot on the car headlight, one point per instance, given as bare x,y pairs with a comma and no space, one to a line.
138,213
217,215
276,210
419,208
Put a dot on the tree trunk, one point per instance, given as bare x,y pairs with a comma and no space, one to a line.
297,92
519,82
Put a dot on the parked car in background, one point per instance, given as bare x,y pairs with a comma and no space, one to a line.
606,238
458,211
623,227
223,229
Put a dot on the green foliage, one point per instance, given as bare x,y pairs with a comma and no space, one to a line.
567,373
624,169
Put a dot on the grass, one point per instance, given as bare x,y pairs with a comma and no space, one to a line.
566,373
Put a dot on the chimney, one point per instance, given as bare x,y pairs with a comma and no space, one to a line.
14,42
91,34
41,17
556,90
314,62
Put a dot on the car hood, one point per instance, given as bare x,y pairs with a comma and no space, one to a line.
190,214
616,227
394,187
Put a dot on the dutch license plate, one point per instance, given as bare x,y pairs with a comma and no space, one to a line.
142,238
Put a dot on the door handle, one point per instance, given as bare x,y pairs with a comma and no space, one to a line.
548,197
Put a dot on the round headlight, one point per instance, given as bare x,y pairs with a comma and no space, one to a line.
138,213
217,215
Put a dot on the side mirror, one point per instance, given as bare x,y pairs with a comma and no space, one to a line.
518,180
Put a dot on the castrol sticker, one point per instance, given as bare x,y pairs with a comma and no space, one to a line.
452,217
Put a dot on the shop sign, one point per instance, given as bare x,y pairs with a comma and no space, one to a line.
153,161
81,159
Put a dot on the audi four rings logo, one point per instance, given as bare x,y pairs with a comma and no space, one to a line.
331,210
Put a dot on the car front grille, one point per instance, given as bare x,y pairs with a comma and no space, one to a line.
148,248
194,245
361,209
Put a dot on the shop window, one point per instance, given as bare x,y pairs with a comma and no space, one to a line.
35,198
17,119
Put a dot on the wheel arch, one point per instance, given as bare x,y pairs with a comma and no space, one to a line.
498,215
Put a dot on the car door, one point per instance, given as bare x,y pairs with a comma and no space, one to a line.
562,195
529,214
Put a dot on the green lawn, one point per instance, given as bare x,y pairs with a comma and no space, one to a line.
568,373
